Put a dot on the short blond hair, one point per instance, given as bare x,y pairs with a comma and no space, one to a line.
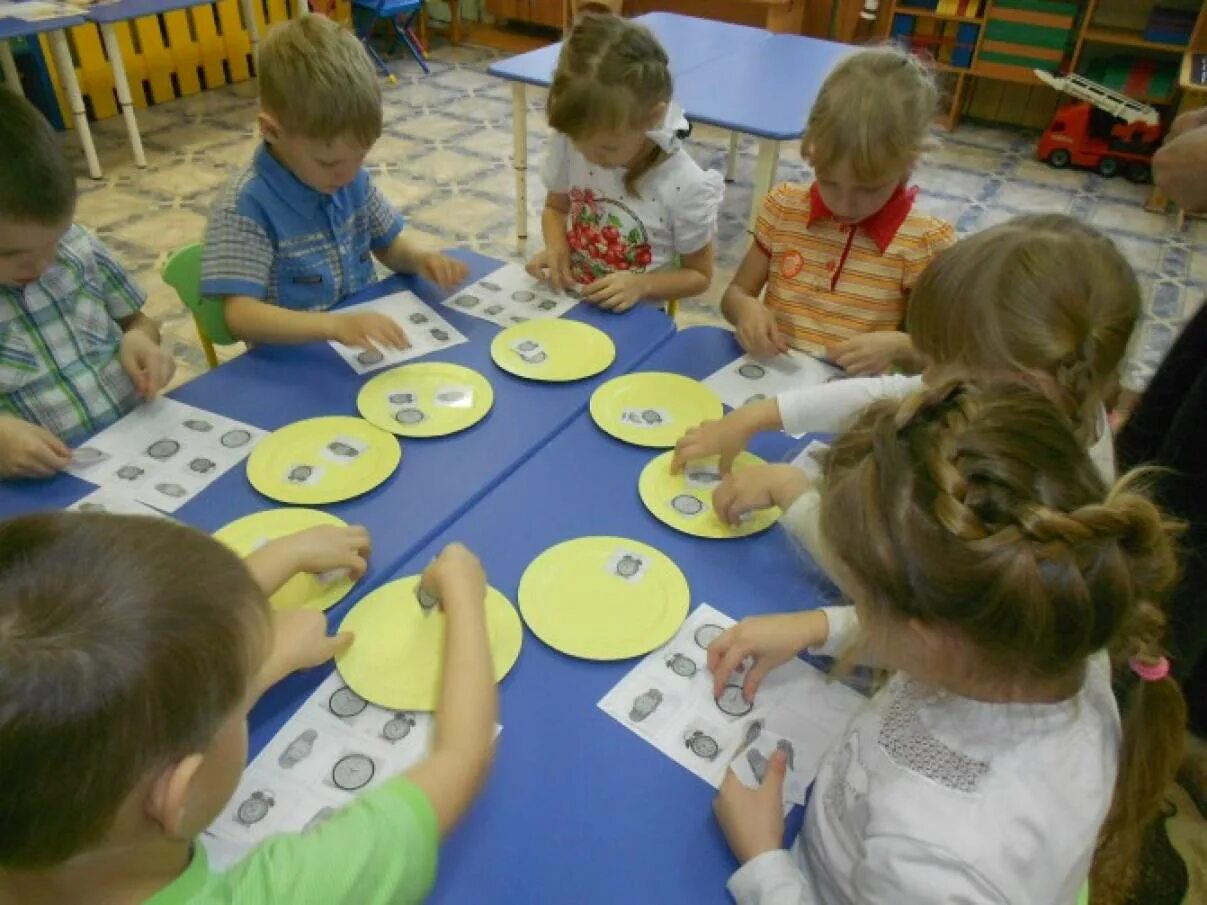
317,81
874,111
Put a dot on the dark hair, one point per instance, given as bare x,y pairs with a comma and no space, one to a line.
125,642
37,184
974,507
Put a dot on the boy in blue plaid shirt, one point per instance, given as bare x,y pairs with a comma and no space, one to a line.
76,353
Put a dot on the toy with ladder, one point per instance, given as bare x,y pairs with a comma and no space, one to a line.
1103,130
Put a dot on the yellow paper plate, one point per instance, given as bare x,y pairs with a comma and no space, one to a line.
322,460
429,399
652,408
684,501
603,598
398,654
553,349
302,592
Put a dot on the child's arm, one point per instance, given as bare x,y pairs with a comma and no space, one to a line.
404,256
315,550
465,717
552,263
255,321
754,324
30,450
142,357
622,289
875,353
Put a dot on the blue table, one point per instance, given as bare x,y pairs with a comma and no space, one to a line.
578,808
743,79
438,478
54,29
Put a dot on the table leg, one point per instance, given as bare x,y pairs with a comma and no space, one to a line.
519,125
12,78
454,22
731,159
764,175
66,68
122,84
253,31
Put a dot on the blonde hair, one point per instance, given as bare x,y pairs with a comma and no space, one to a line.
1041,295
317,81
972,507
873,111
610,75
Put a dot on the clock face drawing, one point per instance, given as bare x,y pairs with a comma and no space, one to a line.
466,301
87,455
352,772
523,295
173,490
702,745
370,357
346,703
645,704
733,702
707,634
297,750
235,438
409,416
130,472
300,474
418,318
253,808
686,504
649,416
628,566
163,449
439,335
402,399
197,424
398,727
682,665
752,371
203,466
426,598
493,287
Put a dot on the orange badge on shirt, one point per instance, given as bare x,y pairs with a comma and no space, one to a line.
792,264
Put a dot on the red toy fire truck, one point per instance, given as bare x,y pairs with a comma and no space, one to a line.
1103,130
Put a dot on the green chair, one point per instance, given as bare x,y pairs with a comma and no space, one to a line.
182,271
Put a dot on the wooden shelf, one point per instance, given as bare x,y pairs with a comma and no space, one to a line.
931,14
1125,37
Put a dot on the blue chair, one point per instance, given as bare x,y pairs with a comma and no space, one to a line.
402,16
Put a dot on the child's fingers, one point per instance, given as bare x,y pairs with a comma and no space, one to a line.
732,657
340,643
773,777
60,449
754,679
725,465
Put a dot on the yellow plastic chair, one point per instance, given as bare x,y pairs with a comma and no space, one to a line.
182,271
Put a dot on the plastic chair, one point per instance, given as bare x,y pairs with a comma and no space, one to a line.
409,12
182,271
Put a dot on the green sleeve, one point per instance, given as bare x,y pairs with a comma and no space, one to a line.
382,848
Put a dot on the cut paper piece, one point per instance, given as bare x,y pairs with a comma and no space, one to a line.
425,328
750,380
684,501
113,503
302,592
510,295
163,453
296,464
603,598
334,748
428,399
667,699
553,350
398,656
652,408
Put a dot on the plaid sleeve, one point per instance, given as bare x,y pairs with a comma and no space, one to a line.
238,254
122,297
941,235
385,223
767,223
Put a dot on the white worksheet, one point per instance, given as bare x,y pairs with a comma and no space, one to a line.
336,746
163,453
750,380
425,328
668,700
510,296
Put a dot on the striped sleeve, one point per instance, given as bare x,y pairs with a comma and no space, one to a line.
939,235
771,212
238,255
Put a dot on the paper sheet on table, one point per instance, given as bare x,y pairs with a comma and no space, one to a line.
511,296
33,10
117,503
426,330
750,380
164,453
667,699
335,747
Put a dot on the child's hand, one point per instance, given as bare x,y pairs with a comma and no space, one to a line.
442,270
29,450
325,548
617,292
148,366
456,578
368,330
300,641
758,487
553,266
726,436
871,353
769,640
757,333
753,819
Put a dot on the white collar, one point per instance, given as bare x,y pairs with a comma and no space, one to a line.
675,127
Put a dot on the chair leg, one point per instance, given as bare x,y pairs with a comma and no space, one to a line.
365,39
207,346
403,33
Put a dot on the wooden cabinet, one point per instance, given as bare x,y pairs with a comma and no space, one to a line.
537,12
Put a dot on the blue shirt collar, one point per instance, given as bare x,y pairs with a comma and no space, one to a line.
286,186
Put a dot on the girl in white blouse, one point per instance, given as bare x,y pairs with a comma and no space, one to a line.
629,216
990,567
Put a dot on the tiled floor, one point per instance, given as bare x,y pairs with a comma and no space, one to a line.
445,160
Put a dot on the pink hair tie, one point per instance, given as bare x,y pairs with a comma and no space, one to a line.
1150,672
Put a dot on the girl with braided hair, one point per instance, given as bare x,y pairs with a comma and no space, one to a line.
1009,587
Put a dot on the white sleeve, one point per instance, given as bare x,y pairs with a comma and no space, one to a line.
694,207
771,878
828,406
555,170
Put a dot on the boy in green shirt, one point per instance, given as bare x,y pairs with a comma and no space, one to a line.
131,650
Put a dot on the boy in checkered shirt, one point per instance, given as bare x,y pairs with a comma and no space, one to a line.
76,353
